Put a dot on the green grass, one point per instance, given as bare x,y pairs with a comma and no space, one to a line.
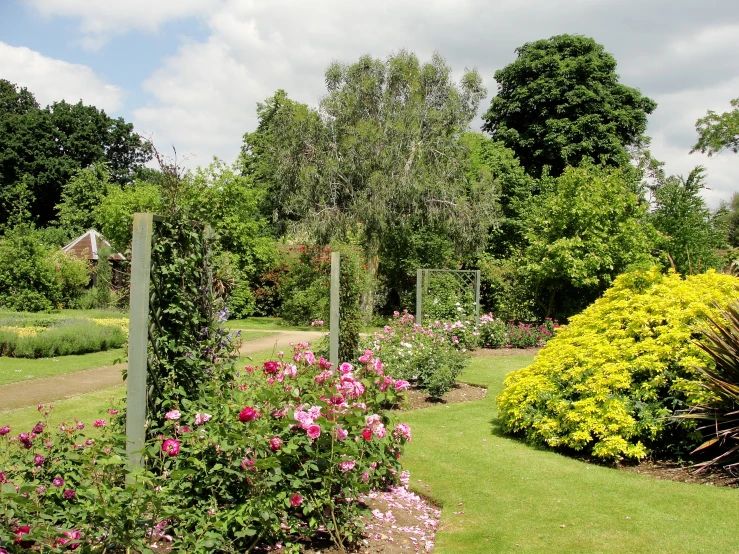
86,407
267,323
517,498
13,370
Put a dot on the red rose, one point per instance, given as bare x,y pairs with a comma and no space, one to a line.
367,434
248,414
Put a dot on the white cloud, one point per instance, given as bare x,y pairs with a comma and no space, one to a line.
100,20
52,80
205,96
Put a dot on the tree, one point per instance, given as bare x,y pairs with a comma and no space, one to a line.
80,196
561,102
114,215
49,145
585,228
718,132
727,216
382,153
690,238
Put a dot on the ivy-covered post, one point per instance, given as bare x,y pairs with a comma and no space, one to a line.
138,336
334,313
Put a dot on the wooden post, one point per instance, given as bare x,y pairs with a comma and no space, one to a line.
138,336
419,296
477,296
334,316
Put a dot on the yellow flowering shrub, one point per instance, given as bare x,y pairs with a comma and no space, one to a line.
30,331
606,382
117,321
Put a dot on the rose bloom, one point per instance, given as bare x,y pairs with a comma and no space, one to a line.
39,460
314,431
275,443
367,434
202,418
57,482
69,494
38,428
4,430
296,500
271,368
340,433
401,385
247,464
23,530
99,423
171,447
113,412
248,414
347,466
70,536
172,415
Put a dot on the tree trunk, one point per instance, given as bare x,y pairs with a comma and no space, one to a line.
368,296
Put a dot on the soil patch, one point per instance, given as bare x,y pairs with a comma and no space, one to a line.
671,471
461,392
484,352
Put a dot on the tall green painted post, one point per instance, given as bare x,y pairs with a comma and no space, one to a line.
419,296
334,315
477,296
138,336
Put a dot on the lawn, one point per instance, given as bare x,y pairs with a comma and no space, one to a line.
13,370
516,498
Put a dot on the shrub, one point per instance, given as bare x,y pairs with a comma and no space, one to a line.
278,455
607,381
73,336
305,290
36,277
241,301
424,356
492,331
445,300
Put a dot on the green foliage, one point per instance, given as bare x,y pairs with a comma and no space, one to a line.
719,413
446,298
83,193
503,291
690,238
75,336
586,228
496,167
50,145
114,214
241,302
718,132
305,291
37,277
607,382
424,356
560,102
381,156
727,220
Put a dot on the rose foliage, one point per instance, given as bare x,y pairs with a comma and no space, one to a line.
607,382
276,455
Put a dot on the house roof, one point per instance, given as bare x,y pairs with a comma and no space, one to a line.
90,242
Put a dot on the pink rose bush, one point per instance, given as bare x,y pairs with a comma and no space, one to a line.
281,452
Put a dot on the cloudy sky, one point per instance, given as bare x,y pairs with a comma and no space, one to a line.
190,72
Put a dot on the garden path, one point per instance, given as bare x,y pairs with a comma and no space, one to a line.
51,389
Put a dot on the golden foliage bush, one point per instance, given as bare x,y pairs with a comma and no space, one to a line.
605,384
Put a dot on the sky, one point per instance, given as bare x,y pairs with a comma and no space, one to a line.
189,73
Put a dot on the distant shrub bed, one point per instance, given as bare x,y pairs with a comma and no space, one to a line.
45,336
424,356
607,382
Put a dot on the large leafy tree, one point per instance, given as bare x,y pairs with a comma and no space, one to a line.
45,147
80,196
380,155
560,101
690,237
586,227
718,132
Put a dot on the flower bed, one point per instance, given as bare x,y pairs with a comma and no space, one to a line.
279,454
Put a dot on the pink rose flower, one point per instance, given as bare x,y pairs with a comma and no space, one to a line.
314,431
247,464
57,482
402,430
401,385
296,500
172,415
4,430
270,368
99,423
340,433
367,434
275,443
345,368
202,418
171,447
113,412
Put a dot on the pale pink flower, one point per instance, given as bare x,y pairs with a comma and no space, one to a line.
99,423
345,368
202,418
275,443
401,385
310,357
402,430
172,415
340,433
347,465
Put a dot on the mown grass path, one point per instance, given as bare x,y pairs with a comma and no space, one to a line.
516,498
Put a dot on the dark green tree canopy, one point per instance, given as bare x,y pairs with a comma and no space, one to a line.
45,147
561,101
